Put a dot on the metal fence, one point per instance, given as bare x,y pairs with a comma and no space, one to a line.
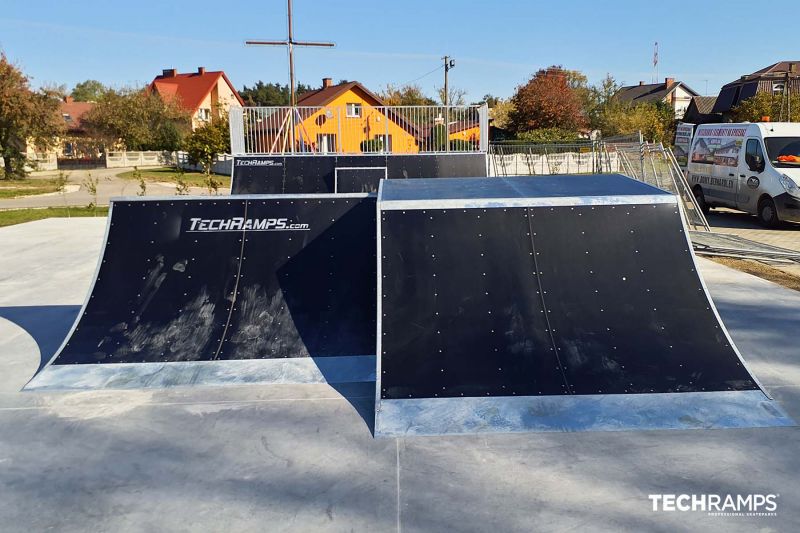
358,129
519,159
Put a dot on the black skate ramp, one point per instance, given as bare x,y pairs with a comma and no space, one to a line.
548,304
319,173
227,290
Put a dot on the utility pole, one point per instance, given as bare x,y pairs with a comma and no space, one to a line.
290,43
448,64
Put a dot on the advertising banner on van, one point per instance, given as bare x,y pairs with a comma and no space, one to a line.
718,145
683,142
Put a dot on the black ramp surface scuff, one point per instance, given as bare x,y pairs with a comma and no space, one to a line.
354,179
177,282
162,293
313,293
462,315
628,309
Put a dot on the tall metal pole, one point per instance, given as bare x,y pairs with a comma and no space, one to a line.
290,45
446,70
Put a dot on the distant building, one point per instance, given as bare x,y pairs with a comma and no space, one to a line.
76,142
674,93
338,118
700,111
207,95
775,79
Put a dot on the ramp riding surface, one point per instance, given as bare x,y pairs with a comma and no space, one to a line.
230,290
553,303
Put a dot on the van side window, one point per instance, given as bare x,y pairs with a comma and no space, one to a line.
753,149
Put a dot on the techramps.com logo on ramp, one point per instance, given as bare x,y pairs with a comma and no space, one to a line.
215,225
717,504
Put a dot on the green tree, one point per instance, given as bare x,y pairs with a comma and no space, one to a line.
500,112
88,91
548,135
26,116
547,100
270,94
774,106
656,121
405,95
136,119
207,142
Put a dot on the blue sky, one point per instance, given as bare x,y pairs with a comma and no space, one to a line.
497,45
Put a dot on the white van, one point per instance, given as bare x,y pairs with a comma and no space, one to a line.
753,167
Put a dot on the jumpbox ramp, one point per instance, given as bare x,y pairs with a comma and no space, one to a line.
227,290
554,303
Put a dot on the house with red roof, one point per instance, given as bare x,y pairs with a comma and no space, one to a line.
207,95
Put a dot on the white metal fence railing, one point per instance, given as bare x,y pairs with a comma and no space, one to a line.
358,129
518,159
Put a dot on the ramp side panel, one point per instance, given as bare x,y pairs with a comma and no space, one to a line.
627,305
306,293
173,283
161,294
258,175
462,313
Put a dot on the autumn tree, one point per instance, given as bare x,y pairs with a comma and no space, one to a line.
207,142
500,113
26,117
775,106
547,101
138,120
405,95
656,121
88,91
455,96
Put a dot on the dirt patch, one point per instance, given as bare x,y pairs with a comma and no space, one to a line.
785,279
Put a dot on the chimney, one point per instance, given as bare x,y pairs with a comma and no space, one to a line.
68,99
669,81
641,83
169,73
201,70
327,82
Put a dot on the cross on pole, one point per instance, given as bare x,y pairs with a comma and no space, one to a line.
290,43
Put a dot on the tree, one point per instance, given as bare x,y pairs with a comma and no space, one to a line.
270,94
455,96
500,113
547,101
770,105
405,95
137,119
656,121
26,116
88,91
207,142
489,100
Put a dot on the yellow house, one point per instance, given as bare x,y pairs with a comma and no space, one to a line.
343,118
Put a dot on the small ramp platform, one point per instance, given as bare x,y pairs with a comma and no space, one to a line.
556,303
227,290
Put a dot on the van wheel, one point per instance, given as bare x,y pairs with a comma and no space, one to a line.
767,214
701,200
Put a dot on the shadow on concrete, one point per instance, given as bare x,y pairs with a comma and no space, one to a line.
728,218
47,324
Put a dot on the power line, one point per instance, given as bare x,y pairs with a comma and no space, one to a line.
440,67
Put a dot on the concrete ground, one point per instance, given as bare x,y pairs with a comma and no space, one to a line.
108,186
301,458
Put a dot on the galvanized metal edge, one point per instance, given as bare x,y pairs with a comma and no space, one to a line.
238,197
568,413
484,203
299,370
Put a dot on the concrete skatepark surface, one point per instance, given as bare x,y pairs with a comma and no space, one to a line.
301,457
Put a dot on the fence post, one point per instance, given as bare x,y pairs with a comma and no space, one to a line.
236,122
483,128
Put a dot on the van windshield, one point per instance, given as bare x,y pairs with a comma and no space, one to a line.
784,152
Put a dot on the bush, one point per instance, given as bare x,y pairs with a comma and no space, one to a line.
460,145
548,135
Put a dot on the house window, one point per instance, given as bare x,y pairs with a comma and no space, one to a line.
778,87
204,114
386,142
326,143
354,110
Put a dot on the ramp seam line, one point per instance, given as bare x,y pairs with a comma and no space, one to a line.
235,286
544,304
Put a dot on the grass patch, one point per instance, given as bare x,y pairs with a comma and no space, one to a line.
783,278
168,175
9,217
26,187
